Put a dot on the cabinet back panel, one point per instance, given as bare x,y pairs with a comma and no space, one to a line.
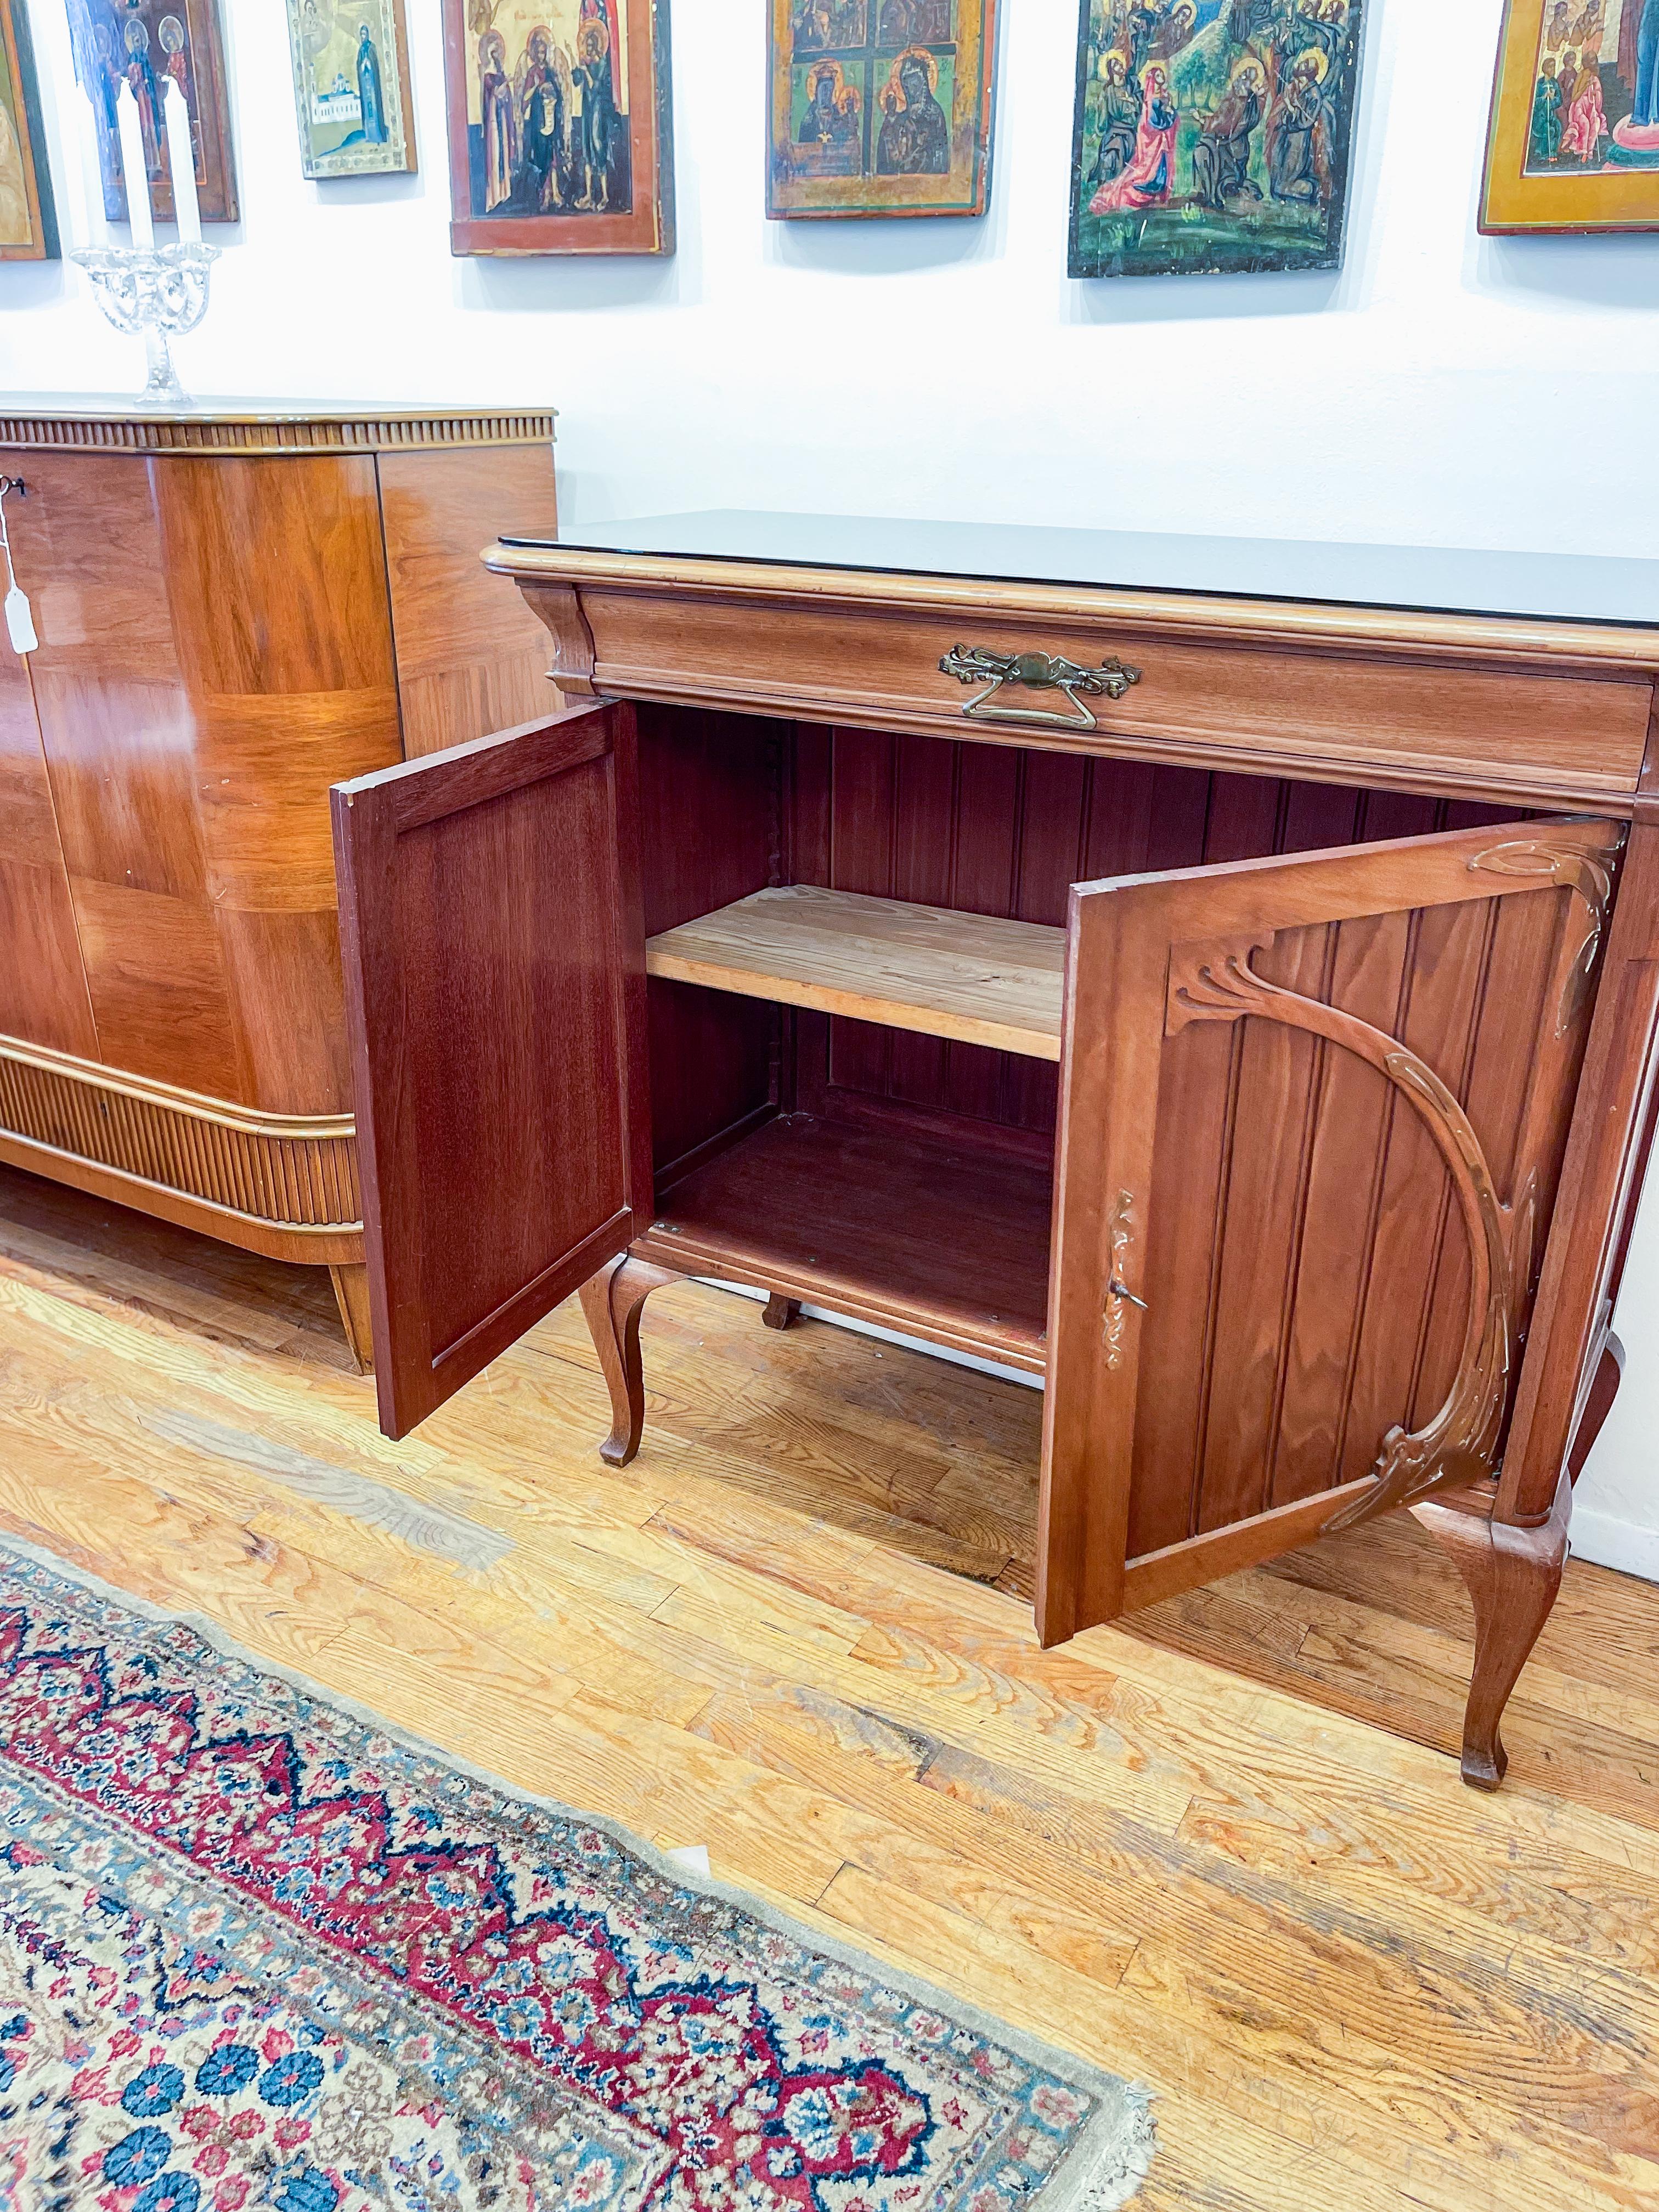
711,831
1307,1267
1002,830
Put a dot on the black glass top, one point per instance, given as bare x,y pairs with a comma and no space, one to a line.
1570,587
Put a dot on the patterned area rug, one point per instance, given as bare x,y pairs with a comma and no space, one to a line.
255,1951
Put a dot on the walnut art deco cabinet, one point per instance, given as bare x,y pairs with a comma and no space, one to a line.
235,607
1237,1009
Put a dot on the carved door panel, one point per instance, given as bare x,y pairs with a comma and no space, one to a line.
495,969
1313,1111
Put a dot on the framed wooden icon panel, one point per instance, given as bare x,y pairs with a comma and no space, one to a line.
140,42
561,135
880,107
29,226
1212,137
351,91
1573,144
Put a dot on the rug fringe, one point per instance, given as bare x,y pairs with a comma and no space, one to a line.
1104,2175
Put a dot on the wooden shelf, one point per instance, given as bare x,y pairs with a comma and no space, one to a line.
926,968
939,1240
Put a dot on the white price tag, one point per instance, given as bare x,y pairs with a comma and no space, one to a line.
20,621
693,1857
20,617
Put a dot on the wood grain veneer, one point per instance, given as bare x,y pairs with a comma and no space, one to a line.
1002,830
471,658
235,606
43,989
190,732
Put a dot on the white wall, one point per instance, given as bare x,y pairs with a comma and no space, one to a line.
1442,389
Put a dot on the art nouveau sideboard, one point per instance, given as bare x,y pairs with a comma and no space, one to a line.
235,606
1220,979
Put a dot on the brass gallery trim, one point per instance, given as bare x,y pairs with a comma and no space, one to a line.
1448,776
1554,646
276,432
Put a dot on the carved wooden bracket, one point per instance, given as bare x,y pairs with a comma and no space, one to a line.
1585,870
558,607
1216,982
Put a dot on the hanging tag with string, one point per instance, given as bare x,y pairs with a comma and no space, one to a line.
20,618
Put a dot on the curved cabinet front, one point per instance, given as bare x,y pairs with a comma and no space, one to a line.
223,633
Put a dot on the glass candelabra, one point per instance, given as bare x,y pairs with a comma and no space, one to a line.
155,293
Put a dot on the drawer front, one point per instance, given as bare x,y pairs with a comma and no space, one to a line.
1531,734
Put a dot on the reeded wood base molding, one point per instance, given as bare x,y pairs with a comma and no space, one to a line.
232,426
280,1184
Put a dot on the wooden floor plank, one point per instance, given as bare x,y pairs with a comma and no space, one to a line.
1523,2048
1345,2124
1179,1845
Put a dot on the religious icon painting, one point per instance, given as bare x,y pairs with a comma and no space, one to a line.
29,229
145,41
880,106
1573,143
1212,137
560,126
351,87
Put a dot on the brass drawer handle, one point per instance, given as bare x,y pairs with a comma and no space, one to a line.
1038,671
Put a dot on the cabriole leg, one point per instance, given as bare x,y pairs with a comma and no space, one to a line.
612,1302
1512,1575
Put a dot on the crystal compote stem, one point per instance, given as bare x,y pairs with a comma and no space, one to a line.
155,293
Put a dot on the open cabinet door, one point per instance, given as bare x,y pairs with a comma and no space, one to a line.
1313,1111
495,981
